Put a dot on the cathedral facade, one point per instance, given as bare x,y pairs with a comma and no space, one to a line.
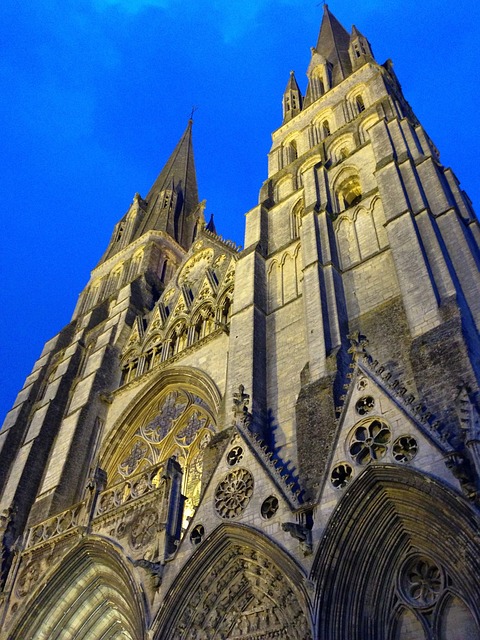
276,442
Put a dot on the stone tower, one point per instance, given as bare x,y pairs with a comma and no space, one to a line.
278,442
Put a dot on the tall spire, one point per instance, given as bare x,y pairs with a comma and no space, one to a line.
332,44
171,204
179,169
173,196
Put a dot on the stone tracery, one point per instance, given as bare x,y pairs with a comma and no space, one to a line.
180,424
243,596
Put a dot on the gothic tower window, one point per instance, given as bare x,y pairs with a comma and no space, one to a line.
120,230
296,220
360,104
291,152
325,128
349,192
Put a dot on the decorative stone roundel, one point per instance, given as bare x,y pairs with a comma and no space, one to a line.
143,529
421,581
405,449
233,493
370,441
365,405
341,475
269,507
197,534
234,456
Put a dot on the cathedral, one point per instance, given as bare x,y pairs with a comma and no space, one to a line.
278,442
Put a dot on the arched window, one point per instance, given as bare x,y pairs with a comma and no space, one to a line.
291,152
120,230
349,192
360,104
325,128
226,311
296,220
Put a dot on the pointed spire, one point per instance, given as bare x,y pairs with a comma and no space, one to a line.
179,169
171,204
359,49
292,99
173,198
332,44
211,225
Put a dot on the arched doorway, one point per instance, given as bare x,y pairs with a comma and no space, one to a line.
237,586
399,553
91,595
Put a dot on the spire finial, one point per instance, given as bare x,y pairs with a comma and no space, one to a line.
194,108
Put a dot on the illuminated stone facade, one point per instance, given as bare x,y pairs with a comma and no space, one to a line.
278,442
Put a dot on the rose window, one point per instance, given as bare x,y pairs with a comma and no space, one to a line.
234,456
422,582
269,507
369,441
233,493
365,405
405,448
341,475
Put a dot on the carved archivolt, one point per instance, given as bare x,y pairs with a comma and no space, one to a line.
92,594
391,563
241,595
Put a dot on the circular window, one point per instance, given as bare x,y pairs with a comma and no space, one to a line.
234,456
365,405
197,534
233,493
341,475
269,507
404,449
369,441
421,581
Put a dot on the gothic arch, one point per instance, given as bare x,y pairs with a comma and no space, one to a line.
237,583
366,232
92,594
365,126
274,284
388,519
176,416
341,148
347,242
296,214
284,187
347,188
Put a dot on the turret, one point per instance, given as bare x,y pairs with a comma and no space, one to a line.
359,49
292,99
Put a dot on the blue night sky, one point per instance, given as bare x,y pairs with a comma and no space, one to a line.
96,94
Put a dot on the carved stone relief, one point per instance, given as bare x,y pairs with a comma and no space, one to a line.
244,596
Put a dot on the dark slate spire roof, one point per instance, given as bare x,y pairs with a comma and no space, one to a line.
177,176
171,204
179,170
332,44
